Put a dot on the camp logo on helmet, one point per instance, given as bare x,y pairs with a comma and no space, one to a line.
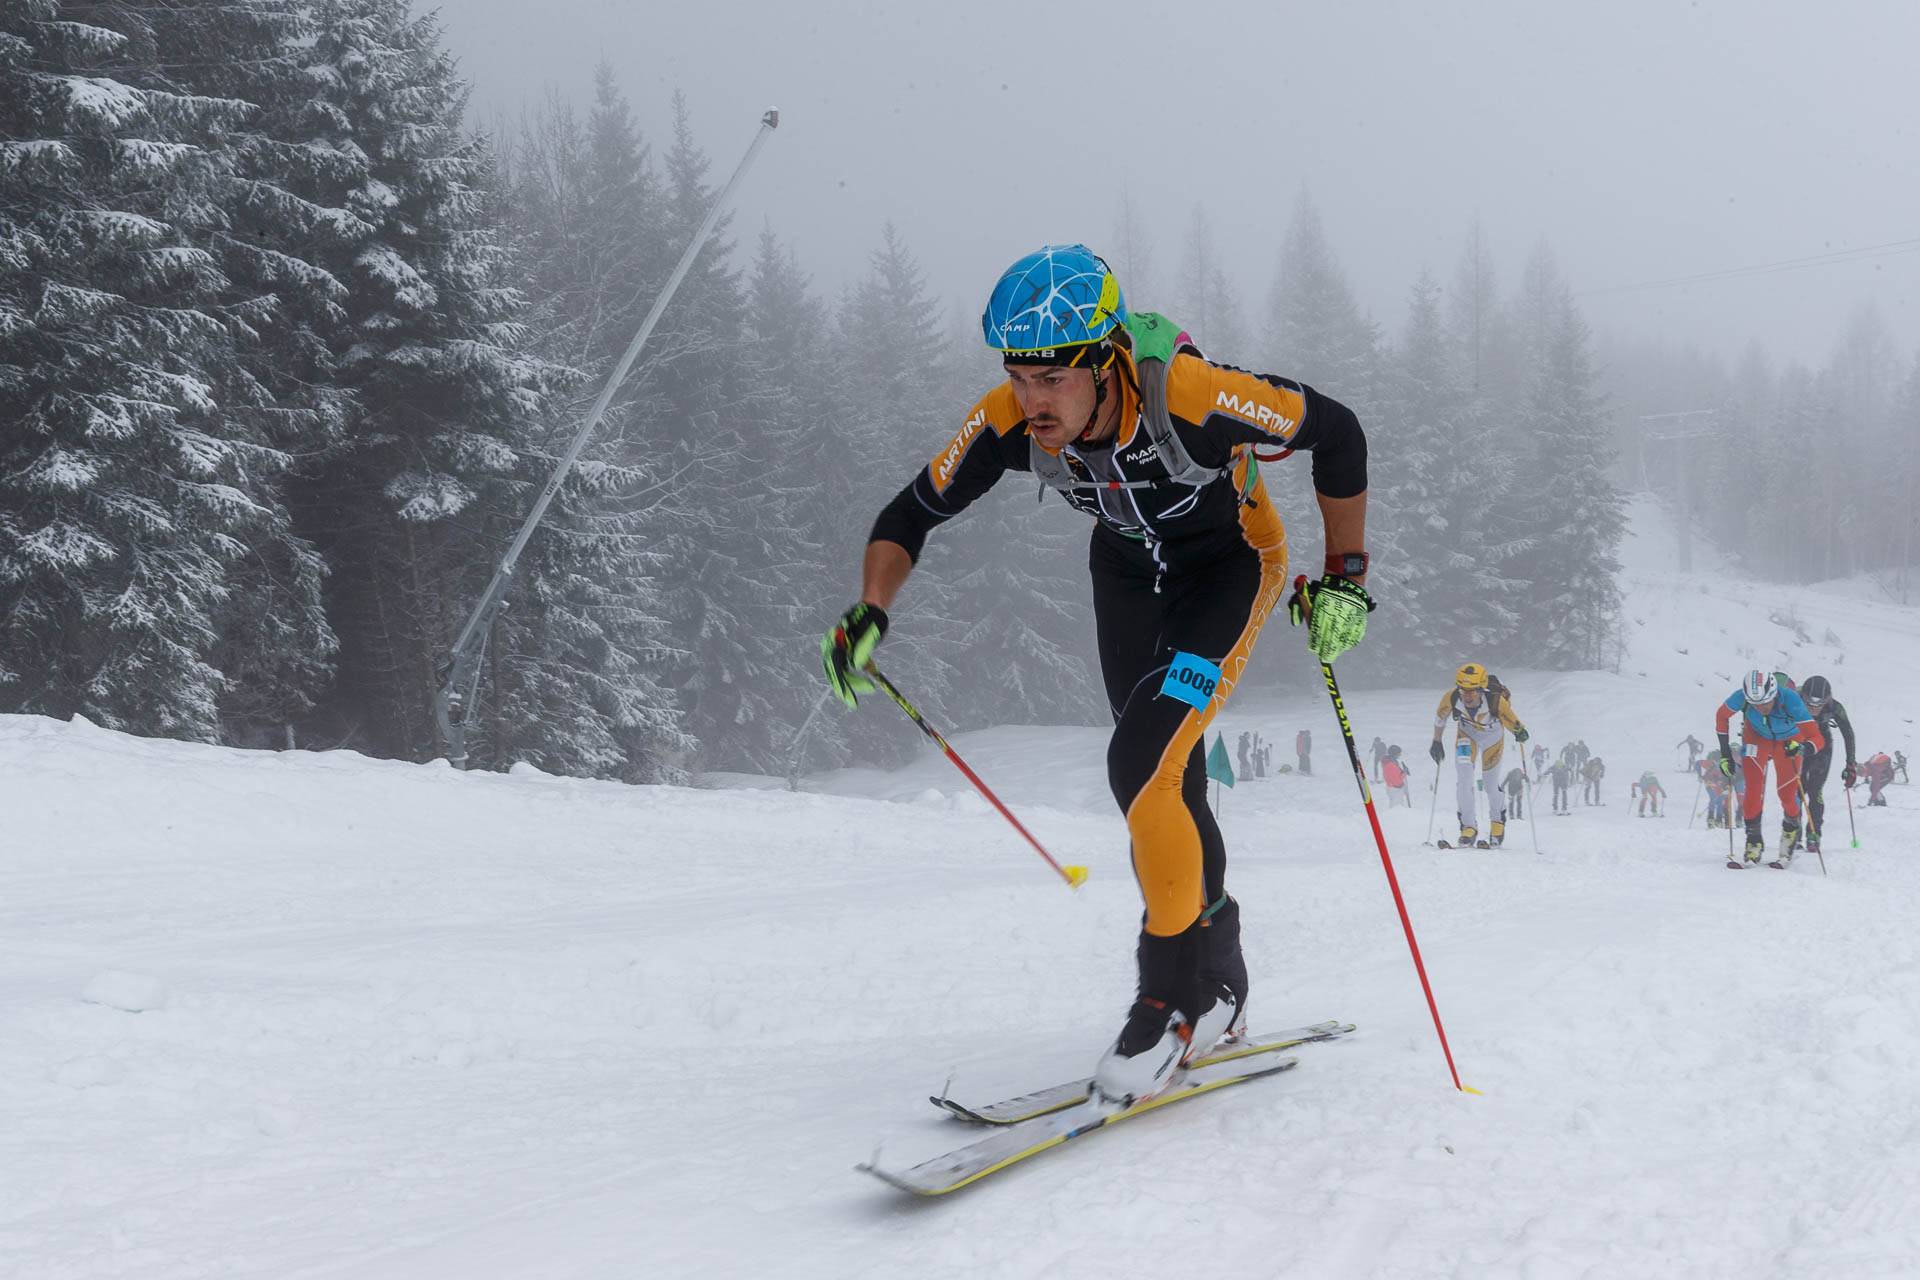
1058,296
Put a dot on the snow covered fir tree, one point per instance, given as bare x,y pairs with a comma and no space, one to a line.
141,465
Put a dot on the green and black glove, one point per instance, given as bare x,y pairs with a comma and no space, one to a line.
1726,765
1520,734
1793,747
1848,774
1335,610
847,646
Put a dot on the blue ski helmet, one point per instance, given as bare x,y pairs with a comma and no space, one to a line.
1063,295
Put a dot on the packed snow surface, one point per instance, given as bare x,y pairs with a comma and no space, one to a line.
313,1015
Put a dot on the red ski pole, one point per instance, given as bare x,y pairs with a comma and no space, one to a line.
1074,876
1393,882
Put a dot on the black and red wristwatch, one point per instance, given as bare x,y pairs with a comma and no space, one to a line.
1347,564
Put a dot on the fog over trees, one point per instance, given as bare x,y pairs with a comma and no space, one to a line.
287,349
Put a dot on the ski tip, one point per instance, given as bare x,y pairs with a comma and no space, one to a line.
892,1180
1076,876
957,1110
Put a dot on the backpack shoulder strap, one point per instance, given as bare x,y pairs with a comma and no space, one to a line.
1153,340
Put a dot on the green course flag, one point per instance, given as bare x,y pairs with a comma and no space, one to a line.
1219,768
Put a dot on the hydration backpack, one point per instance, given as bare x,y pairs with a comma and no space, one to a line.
1153,341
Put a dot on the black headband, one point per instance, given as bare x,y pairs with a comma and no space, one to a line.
1095,355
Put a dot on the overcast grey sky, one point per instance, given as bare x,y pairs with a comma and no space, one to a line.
1642,140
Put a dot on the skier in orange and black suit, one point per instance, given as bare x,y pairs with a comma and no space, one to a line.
1126,420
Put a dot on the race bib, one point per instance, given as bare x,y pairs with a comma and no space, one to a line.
1191,679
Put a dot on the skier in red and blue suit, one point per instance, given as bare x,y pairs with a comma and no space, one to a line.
1776,727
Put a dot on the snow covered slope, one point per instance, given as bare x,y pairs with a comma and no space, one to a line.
305,1015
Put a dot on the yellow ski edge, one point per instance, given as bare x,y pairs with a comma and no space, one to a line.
1320,1033
1173,1095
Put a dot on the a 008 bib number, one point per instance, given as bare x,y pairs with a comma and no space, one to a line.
1191,679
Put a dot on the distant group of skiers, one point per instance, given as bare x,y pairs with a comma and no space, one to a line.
1481,710
1790,727
1575,761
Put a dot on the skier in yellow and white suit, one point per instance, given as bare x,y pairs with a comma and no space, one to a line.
1479,706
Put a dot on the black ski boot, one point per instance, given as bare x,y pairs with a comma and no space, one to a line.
1219,1007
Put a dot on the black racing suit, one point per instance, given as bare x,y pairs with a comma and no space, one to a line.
1177,569
1813,768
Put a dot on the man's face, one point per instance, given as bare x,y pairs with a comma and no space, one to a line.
1471,697
1056,401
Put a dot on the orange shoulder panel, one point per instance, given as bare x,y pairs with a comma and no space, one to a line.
998,411
1197,389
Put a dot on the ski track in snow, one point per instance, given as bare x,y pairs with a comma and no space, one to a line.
312,1015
